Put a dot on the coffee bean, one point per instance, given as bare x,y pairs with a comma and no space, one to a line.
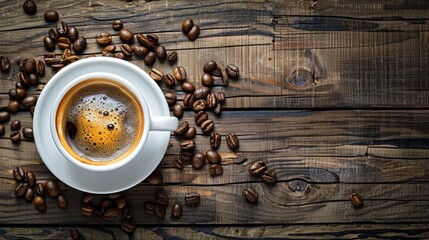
223,73
209,66
105,204
114,196
111,213
117,25
187,25
187,145
161,53
232,71
20,189
220,96
52,189
87,197
62,201
74,234
155,178
192,198
39,203
170,97
2,130
27,65
126,35
121,202
31,178
207,126
178,164
153,38
218,109
49,58
149,59
160,211
207,80
87,210
201,92
201,117
188,87
179,73
40,189
72,34
108,49
232,140
169,80
53,33
149,208
199,105
40,68
140,51
143,40
250,195
186,155
15,125
171,56
215,170
198,160
29,195
211,100
162,199
178,110
33,79
257,168
103,38
61,185
4,64
189,99
215,140
269,176
20,85
356,200
192,131
57,64
63,43
193,33
51,16
79,45
181,129
29,7
126,50
18,174
176,212
213,156
4,117
120,55
29,101
128,226
15,137
66,54
127,212
156,74
23,79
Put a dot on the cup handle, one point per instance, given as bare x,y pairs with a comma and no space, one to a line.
163,123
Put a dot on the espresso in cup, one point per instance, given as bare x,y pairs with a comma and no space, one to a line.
99,121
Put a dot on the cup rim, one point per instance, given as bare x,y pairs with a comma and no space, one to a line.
110,77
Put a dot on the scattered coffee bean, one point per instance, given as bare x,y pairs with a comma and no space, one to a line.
18,174
207,80
179,73
198,160
170,97
72,34
187,145
27,65
27,132
21,93
161,53
33,79
63,43
15,125
40,189
15,137
87,197
111,213
257,168
61,185
215,140
117,25
171,56
108,49
105,204
87,210
223,73
23,80
126,50
178,164
29,7
190,134
2,130
153,38
232,71
29,101
232,140
121,202
29,195
176,212
201,117
269,176
201,92
40,203
149,59
156,74
162,199
114,196
178,110
49,58
189,99
188,87
186,155
51,16
216,170
74,234
79,45
181,129
192,198
120,55
20,189
211,100
31,178
187,25
4,64
103,38
155,178
53,33
160,211
169,80
193,33
356,200
4,117
209,67
250,195
149,208
126,35
40,68
199,105
220,96
127,212
140,51
128,226
213,157
143,40
52,189
62,201
207,126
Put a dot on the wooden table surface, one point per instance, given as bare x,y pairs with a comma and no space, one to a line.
333,95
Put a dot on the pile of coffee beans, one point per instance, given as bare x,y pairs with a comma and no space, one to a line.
259,168
191,30
31,190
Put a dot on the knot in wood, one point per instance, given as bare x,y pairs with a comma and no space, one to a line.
300,79
298,185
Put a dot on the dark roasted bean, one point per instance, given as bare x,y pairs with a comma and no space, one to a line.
40,68
140,51
20,189
169,80
220,96
201,92
72,34
257,168
162,199
189,99
356,200
153,38
179,73
178,163
79,45
223,74
215,170
143,40
128,226
121,202
209,66
87,197
232,71
33,79
114,196
51,16
40,190
160,211
188,87
15,137
155,178
4,117
170,97
192,131
207,80
126,35
49,58
215,140
63,43
23,80
29,7
186,155
53,33
149,208
18,174
171,56
120,55
62,28
117,25
213,157
178,110
62,201
15,125
187,25
198,160
211,100
52,189
87,210
187,145
193,33
192,198
61,185
250,195
201,117
105,204
103,38
28,65
74,234
269,176
199,105
181,129
149,59
232,140
207,126
161,53
156,74
127,212
108,49
31,178
126,50
111,213
29,101
40,203
4,63
29,195
176,212
49,43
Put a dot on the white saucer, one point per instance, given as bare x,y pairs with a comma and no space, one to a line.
119,179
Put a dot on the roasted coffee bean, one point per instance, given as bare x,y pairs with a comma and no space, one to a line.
52,189
162,199
79,45
149,59
178,164
215,140
126,35
53,33
187,145
155,178
179,73
87,210
128,226
29,195
61,185
209,67
161,53
198,160
121,202
250,195
192,131
188,87
356,200
170,97
71,129
29,101
103,38
232,71
201,117
66,54
140,51
108,49
192,198
207,126
74,234
269,176
18,174
193,33
199,105
143,40
182,128
72,58
211,100
171,56
87,197
57,64
72,34
213,157
40,203
51,16
153,38
2,130
63,43
15,125
126,50
186,155
111,213
62,201
201,92
33,79
156,74
127,212
20,189
257,168
15,137
49,59
232,140
215,170
220,96
31,178
149,208
178,110
105,204
28,65
117,25
176,212
4,117
4,64
29,7
62,28
20,85
23,79
189,99
169,80
40,190
160,211
114,196
187,25
40,68
207,80
221,69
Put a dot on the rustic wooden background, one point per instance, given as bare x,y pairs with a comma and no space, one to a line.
361,124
